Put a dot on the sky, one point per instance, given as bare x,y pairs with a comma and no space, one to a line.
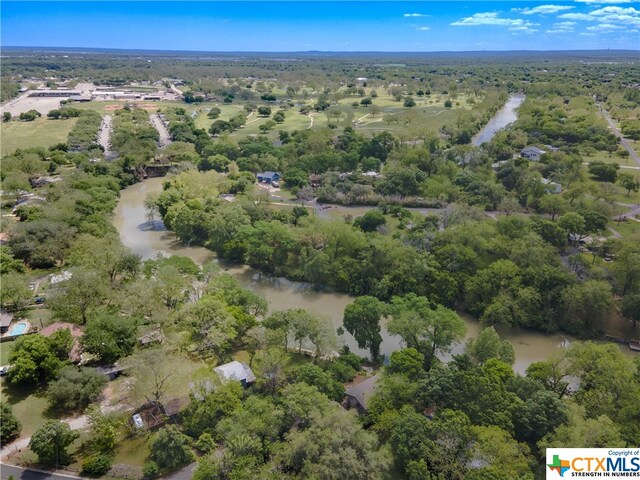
282,26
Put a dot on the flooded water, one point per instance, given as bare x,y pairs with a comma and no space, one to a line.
149,238
504,117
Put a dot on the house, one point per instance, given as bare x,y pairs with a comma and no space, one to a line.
551,187
532,153
314,180
39,181
5,322
76,333
151,337
268,177
236,371
111,372
153,415
358,396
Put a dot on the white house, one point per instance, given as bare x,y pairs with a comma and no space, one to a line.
236,371
532,153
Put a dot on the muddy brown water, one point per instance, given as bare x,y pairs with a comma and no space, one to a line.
149,238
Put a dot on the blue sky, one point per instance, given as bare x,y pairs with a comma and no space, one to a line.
335,26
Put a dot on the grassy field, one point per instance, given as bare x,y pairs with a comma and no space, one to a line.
5,350
42,132
605,157
29,407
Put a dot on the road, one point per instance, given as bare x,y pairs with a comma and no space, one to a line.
104,136
29,474
618,134
156,121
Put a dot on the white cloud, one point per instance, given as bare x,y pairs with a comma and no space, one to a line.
610,14
542,9
423,29
491,18
605,27
561,27
415,15
603,1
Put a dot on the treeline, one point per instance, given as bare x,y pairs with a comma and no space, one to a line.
84,134
133,138
507,272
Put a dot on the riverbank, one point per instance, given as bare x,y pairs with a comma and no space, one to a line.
149,238
506,115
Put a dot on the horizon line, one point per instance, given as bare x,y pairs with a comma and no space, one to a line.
76,48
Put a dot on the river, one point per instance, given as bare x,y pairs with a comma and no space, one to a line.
149,238
506,115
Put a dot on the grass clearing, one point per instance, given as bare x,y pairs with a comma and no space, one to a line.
5,350
29,406
42,132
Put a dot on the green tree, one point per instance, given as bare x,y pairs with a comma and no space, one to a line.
10,426
488,345
214,113
323,381
585,304
596,432
103,428
631,307
409,102
428,330
33,361
75,388
609,385
553,204
323,452
506,458
370,221
264,110
407,361
628,182
80,295
110,337
50,443
362,320
170,448
14,291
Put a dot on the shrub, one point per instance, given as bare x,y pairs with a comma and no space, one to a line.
10,426
96,465
150,469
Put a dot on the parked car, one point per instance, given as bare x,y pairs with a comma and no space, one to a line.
39,300
4,369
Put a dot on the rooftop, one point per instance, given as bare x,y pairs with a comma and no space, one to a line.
235,371
363,391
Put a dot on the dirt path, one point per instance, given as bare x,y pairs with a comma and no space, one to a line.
77,423
310,118
618,133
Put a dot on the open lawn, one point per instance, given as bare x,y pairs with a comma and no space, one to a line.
5,350
42,132
606,157
28,406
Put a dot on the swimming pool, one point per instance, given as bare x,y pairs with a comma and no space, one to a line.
18,329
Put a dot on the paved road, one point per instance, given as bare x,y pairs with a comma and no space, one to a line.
105,134
185,474
618,134
156,121
28,474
